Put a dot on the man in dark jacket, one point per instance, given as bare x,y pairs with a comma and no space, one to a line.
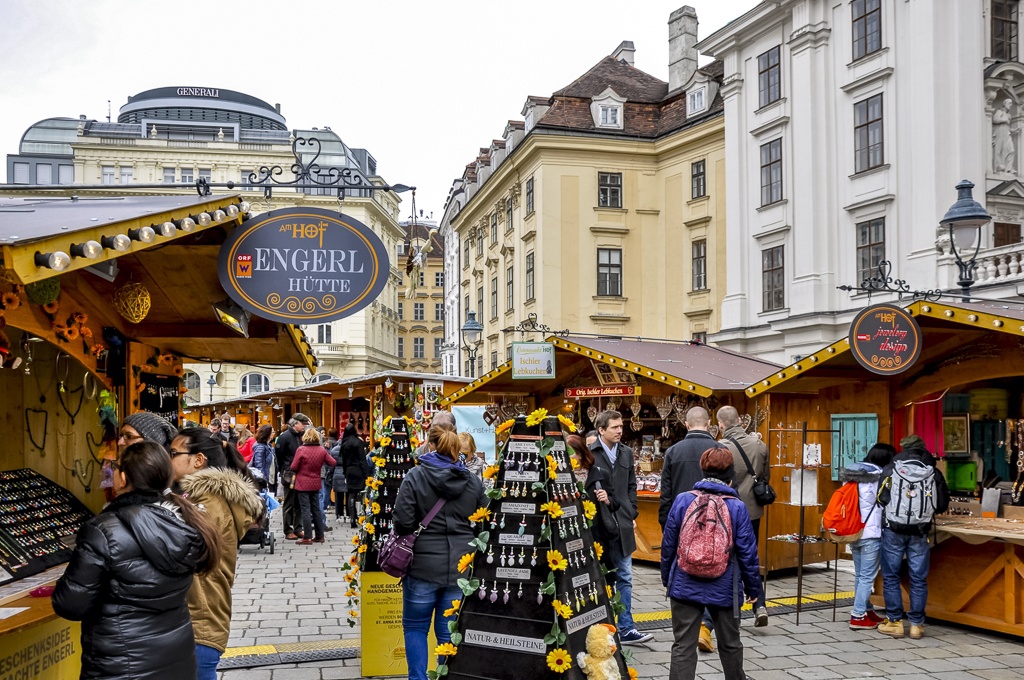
611,454
287,444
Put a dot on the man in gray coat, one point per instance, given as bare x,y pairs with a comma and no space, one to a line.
617,458
734,437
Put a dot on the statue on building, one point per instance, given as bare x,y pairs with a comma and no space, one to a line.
1004,153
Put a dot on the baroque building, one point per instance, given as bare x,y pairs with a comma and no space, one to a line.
177,135
601,211
847,127
421,306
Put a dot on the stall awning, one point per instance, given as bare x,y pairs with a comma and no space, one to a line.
686,366
946,325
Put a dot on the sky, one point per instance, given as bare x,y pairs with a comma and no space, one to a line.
421,84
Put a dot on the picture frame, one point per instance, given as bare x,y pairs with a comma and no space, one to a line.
956,433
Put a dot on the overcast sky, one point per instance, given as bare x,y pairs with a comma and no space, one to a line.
420,84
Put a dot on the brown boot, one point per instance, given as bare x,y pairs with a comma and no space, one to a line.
704,642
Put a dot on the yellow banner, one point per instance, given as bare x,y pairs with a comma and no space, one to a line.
49,651
383,643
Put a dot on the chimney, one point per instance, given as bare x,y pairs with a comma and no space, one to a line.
682,47
624,52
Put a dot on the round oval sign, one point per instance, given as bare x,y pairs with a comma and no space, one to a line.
303,265
885,339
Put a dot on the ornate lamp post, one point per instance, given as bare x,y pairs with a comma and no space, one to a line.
965,218
212,382
471,332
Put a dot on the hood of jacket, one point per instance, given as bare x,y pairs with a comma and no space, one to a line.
860,473
236,490
167,542
445,476
715,486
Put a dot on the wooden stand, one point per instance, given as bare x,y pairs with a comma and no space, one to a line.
648,529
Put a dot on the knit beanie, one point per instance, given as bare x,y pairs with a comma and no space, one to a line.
152,427
912,442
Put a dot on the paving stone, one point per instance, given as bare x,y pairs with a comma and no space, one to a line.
977,662
815,673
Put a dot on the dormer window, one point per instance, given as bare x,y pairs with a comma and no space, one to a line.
606,109
610,116
696,100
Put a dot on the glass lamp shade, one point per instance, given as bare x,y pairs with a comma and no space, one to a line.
964,235
965,217
472,330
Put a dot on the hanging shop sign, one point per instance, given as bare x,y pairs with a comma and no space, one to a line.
609,391
533,360
885,339
303,265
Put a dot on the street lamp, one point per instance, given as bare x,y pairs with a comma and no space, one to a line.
212,382
471,332
965,218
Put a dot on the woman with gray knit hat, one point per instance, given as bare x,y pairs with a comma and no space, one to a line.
146,426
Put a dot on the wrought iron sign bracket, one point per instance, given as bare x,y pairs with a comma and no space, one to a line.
530,325
883,282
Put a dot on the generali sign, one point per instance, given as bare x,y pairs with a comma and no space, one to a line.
303,265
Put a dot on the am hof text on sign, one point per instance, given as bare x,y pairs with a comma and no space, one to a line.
885,339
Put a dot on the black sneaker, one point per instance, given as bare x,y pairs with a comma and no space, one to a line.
761,617
635,637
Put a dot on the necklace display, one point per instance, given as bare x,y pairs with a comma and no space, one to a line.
41,445
49,383
1018,485
80,469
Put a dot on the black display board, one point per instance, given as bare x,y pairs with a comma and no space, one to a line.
397,459
38,522
160,396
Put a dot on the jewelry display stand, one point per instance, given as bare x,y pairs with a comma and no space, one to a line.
397,463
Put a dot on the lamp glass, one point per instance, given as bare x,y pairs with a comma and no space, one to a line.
167,229
964,235
187,224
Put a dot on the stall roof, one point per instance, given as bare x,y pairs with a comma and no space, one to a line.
688,366
956,322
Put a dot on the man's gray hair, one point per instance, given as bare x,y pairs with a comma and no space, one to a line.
444,419
697,417
728,416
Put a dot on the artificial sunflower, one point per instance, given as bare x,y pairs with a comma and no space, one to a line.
505,426
378,461
633,675
456,604
352,561
97,350
553,509
353,613
375,508
559,660
491,470
537,417
552,466
51,307
384,441
575,462
465,561
178,370
569,425
480,515
563,610
414,441
165,359
447,649
370,481
369,529
86,332
355,539
589,509
387,420
608,589
374,483
59,328
10,301
351,592
72,333
598,549
80,318
349,578
361,549
556,562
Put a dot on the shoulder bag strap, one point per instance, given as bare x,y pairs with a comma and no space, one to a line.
430,516
750,468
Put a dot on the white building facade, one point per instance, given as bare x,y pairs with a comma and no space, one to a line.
848,125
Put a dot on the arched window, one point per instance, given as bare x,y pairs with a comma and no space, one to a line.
252,383
322,377
190,379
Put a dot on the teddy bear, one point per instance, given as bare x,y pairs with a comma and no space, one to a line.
599,662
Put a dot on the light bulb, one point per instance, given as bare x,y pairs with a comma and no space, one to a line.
186,224
57,261
204,219
90,250
219,215
167,229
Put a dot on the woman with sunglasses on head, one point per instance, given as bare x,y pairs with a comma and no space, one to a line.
212,474
131,571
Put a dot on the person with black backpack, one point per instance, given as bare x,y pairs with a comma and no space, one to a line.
708,560
913,491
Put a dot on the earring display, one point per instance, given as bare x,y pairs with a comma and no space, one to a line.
38,523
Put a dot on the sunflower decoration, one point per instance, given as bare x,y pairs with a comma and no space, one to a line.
375,508
86,332
589,509
491,470
553,509
504,427
384,441
10,300
353,613
537,417
608,589
355,539
556,561
552,467
178,370
361,549
480,515
633,675
568,424
465,561
72,333
368,528
456,605
563,610
598,549
446,649
387,420
96,350
51,307
559,660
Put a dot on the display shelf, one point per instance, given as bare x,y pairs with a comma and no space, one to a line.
802,539
794,466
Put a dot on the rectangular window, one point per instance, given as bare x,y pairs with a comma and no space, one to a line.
437,348
480,245
610,116
108,174
187,176
206,173
65,174
494,228
479,365
1004,30
529,196
609,271
401,348
323,334
771,172
867,27
401,311
469,369
168,175
417,311
438,311
44,174
126,175
438,279
1005,234
465,260
529,276
609,189
509,299
20,173
508,353
418,348
700,265
508,215
494,298
769,77
773,280
494,360
870,247
421,279
700,338
480,302
243,179
698,180
867,134
467,307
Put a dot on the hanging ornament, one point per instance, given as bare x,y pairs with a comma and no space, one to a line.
132,301
43,292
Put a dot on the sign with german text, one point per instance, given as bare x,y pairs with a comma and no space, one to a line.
609,391
533,360
303,265
885,339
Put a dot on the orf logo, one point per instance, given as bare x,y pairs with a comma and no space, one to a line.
243,267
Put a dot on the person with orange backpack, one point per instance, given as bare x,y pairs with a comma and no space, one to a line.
853,516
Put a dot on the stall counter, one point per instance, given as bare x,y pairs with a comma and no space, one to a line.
38,644
647,530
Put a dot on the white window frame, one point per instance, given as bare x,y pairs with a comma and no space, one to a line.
245,386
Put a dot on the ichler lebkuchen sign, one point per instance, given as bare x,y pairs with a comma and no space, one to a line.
303,265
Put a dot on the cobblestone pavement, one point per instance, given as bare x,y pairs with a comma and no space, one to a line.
295,595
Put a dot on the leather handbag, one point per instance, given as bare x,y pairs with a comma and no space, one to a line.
396,551
764,494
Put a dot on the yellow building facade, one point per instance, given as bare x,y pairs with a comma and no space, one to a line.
421,307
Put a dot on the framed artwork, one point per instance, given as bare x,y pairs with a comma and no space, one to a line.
956,433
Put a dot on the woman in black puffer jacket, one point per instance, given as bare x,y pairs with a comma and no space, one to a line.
351,457
131,571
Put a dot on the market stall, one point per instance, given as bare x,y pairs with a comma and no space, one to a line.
100,301
652,383
952,373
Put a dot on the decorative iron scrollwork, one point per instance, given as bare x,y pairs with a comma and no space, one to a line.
883,282
530,325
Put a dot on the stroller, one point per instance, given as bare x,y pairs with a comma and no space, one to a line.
260,532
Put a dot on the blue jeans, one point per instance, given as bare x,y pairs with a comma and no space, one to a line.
918,553
207,659
866,557
624,584
421,602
